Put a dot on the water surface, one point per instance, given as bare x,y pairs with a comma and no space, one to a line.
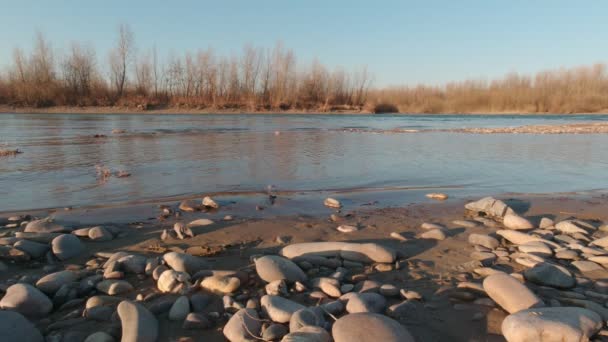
181,155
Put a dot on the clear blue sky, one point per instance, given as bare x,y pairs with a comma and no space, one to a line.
401,42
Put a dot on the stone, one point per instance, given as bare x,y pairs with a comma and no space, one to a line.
569,227
519,238
305,317
99,313
99,234
210,203
509,293
332,203
15,327
365,327
329,286
465,223
272,267
67,246
535,247
308,334
100,336
199,302
437,196
27,300
567,255
431,226
490,207
180,309
548,274
366,302
402,310
173,281
274,332
516,222
389,290
587,266
347,228
221,284
133,263
551,324
196,320
398,236
44,226
38,237
244,325
546,222
189,206
486,258
200,223
483,240
434,234
114,287
277,288
34,249
360,252
138,324
279,309
603,242
50,283
185,262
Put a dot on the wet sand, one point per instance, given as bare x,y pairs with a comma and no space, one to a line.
434,267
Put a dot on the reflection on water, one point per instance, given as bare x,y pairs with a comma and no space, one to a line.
171,155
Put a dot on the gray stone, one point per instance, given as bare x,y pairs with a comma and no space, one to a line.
99,234
50,283
509,293
196,320
548,274
551,325
15,327
44,226
244,325
273,267
274,332
308,334
133,263
27,300
114,287
199,302
138,324
67,246
365,327
180,309
99,336
34,249
279,309
304,317
185,262
366,302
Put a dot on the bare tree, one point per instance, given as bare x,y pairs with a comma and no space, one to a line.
120,58
79,70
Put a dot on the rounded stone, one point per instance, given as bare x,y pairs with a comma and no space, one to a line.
172,281
364,327
304,317
483,240
114,287
67,246
274,267
366,302
548,274
433,234
196,320
138,324
99,336
242,325
50,283
185,262
34,249
180,309
15,327
27,300
516,222
44,226
308,334
221,284
509,293
553,324
279,309
99,234
274,332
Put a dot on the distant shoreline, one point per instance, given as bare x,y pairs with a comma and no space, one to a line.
6,109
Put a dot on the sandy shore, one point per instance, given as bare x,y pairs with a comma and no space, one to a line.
431,267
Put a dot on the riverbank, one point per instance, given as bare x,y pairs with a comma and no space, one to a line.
5,109
442,297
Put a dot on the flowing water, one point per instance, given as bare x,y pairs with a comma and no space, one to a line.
183,155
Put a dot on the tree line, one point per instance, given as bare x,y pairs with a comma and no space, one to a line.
270,79
257,79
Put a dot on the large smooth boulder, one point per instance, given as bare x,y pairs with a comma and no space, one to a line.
548,274
490,207
274,267
365,327
361,252
554,324
50,283
27,300
509,293
67,246
516,222
279,309
138,324
44,226
242,325
185,262
15,327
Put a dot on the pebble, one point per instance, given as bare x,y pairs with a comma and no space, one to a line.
200,223
99,234
34,249
196,320
44,226
308,334
221,284
548,274
437,196
67,246
180,309
273,267
27,300
347,229
516,222
244,325
274,332
50,283
181,262
332,203
509,293
278,308
483,240
114,287
366,302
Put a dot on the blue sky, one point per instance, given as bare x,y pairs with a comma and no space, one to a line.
401,42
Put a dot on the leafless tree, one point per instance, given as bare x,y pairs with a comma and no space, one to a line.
120,58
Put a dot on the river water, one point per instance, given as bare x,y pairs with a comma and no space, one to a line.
184,155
